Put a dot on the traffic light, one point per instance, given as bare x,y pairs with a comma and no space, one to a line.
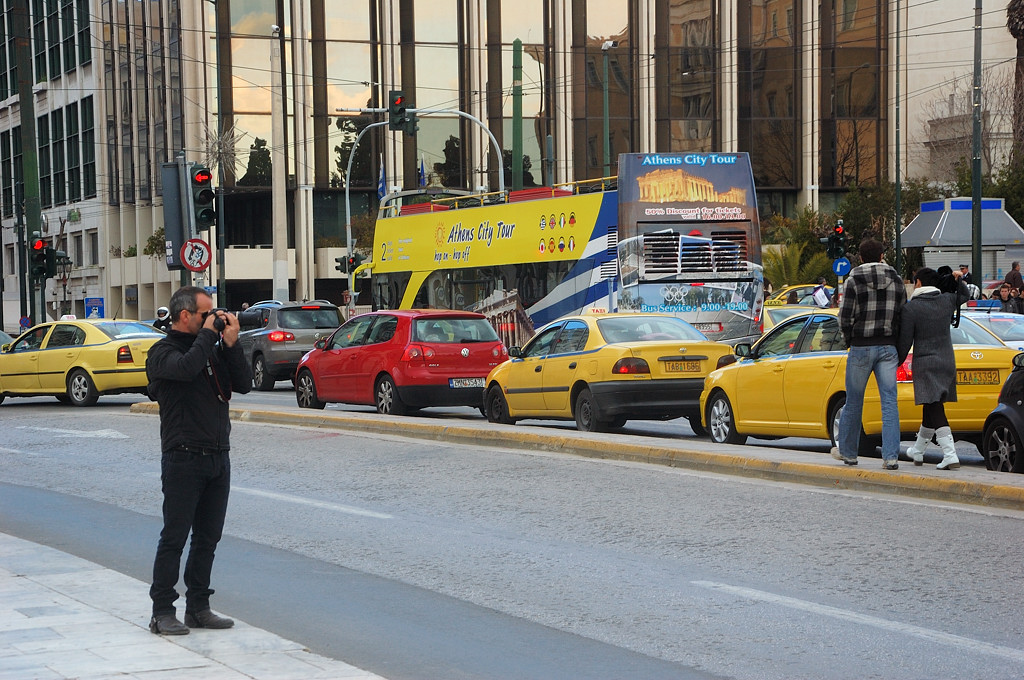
39,248
397,114
51,262
839,235
201,197
354,261
342,265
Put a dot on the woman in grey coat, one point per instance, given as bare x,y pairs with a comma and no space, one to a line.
924,325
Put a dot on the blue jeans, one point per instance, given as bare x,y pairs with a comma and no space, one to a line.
861,363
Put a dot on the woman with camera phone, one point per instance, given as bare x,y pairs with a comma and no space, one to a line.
924,326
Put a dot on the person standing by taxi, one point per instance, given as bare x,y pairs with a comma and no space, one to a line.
869,317
924,325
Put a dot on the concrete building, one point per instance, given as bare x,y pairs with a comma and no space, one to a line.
807,87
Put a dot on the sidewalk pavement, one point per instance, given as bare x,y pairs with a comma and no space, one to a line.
62,617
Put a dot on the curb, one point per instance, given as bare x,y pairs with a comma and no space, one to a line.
580,444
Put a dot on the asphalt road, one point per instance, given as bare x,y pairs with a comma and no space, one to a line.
423,560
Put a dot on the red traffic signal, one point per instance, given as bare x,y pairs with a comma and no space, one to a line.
38,244
202,176
838,230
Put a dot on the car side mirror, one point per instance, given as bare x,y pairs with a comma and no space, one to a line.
515,351
1018,360
6,348
742,349
321,343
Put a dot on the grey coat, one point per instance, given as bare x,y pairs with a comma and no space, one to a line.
924,325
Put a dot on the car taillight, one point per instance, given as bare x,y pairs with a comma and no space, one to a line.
418,353
629,365
280,336
124,355
499,351
905,372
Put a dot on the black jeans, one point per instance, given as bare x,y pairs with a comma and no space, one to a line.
195,499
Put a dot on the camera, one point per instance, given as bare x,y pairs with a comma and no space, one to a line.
219,323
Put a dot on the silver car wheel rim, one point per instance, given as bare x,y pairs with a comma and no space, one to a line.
79,390
720,420
384,397
258,372
306,390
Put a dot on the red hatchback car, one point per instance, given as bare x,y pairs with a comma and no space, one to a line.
402,360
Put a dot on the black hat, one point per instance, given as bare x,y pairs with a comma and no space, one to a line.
963,266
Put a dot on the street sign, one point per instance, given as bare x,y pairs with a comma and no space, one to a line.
841,266
94,307
196,254
25,323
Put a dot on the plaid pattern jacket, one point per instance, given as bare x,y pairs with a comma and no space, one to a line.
869,313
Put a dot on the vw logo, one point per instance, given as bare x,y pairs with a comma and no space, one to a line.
976,355
465,351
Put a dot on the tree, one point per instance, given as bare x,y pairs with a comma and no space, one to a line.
258,173
787,266
1015,24
362,162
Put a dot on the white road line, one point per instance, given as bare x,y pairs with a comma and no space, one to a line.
17,452
323,505
885,624
78,434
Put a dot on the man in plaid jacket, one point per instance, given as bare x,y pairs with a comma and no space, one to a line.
869,316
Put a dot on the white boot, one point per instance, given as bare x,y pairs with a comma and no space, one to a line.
924,438
944,438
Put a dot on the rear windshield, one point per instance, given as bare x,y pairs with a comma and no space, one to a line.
316,317
446,329
1006,328
629,328
116,330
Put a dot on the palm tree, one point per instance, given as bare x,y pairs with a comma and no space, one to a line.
1015,24
782,266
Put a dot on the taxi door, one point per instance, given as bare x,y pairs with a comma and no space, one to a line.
811,375
561,366
760,405
60,353
19,367
524,389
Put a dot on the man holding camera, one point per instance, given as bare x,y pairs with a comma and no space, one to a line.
192,373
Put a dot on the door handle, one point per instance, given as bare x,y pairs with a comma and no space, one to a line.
537,369
778,369
572,365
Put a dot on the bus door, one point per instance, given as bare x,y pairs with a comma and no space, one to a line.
526,377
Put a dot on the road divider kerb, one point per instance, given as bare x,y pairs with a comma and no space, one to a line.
825,474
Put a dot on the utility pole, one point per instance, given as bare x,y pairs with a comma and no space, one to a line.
976,153
279,177
30,164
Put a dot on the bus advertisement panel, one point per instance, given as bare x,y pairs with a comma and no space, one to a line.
522,263
690,240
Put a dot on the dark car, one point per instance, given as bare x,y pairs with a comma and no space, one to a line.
1001,443
275,335
402,360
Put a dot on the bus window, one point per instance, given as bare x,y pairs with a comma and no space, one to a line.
389,289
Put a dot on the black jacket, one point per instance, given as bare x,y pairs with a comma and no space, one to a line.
180,380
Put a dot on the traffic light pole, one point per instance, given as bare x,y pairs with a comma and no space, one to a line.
348,215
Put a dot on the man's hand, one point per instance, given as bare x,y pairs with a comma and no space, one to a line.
230,333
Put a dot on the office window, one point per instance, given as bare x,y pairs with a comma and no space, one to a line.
39,39
45,179
94,248
53,36
88,149
74,153
76,249
60,187
84,34
67,19
7,173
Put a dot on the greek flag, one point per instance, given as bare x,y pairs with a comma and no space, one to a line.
381,181
423,173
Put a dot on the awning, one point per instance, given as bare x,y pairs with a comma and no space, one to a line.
947,223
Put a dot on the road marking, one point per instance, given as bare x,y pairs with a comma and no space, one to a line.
323,505
79,434
16,451
885,624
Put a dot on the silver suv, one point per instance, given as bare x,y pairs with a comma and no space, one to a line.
275,335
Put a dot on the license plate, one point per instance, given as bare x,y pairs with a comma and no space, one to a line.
465,382
715,327
977,377
682,366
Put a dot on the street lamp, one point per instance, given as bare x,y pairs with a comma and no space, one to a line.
607,45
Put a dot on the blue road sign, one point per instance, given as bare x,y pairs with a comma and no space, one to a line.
841,266
94,307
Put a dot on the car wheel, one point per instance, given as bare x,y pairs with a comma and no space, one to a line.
261,378
1001,447
696,426
866,446
586,413
496,408
305,392
81,390
721,421
388,401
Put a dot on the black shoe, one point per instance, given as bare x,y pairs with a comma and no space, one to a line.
207,619
890,465
167,624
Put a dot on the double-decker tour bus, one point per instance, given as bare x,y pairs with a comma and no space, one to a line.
675,233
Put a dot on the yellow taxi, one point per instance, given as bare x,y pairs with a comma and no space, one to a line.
77,360
804,294
605,369
792,382
773,316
